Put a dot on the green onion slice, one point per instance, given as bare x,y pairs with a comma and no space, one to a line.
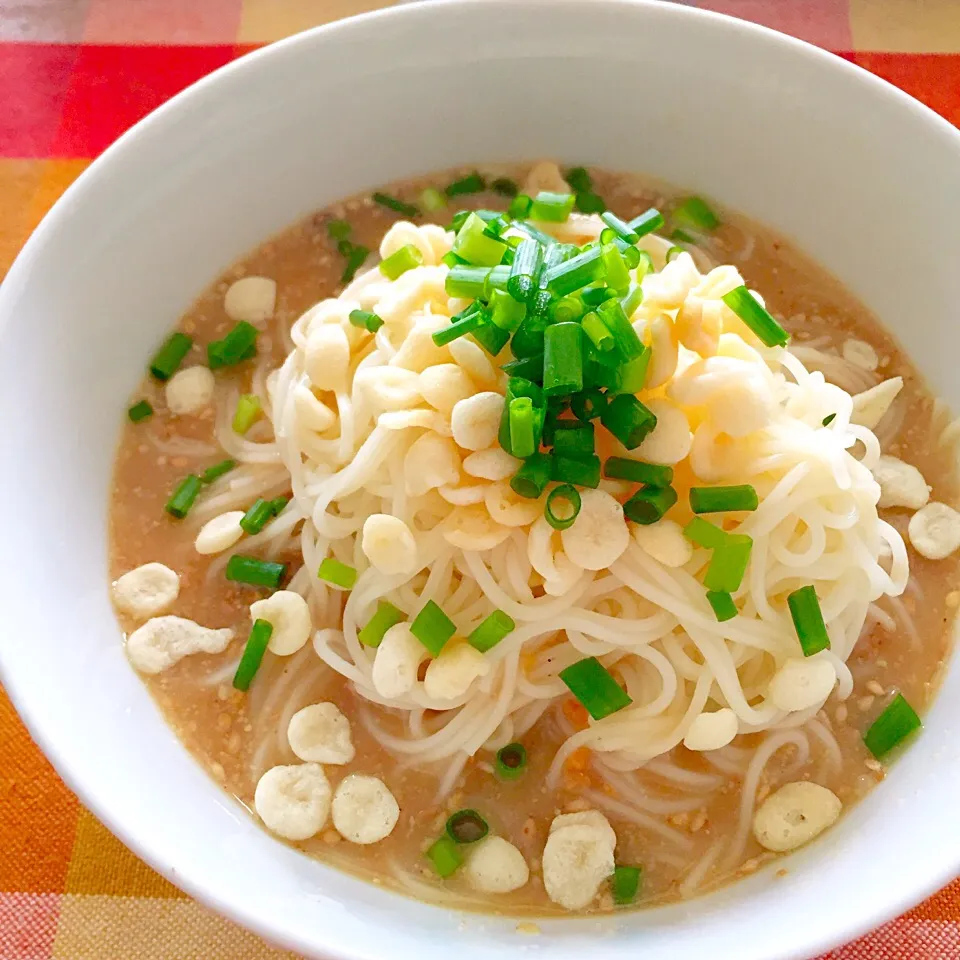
746,306
356,257
182,498
338,574
649,504
562,359
636,471
253,653
399,262
238,345
466,826
511,761
338,229
259,573
257,517
472,183
505,187
580,179
892,727
594,686
625,884
393,203
808,620
564,518
386,616
446,856
694,214
628,420
729,563
532,478
723,605
588,404
584,472
365,320
573,439
551,207
217,470
829,418
140,411
522,433
647,222
491,631
432,200
590,202
166,360
705,534
723,499
247,413
433,628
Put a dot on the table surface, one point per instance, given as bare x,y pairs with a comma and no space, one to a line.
73,75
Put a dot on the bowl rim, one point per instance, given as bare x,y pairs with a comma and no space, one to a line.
194,883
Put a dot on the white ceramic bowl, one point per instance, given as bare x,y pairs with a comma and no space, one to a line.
863,177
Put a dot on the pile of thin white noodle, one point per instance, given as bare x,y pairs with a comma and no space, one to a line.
650,624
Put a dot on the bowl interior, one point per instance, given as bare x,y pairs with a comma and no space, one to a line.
860,176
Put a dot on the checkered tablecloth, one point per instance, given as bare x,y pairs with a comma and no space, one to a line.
73,75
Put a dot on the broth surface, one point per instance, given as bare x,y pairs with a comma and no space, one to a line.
237,736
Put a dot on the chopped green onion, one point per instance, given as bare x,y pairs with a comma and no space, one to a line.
632,375
552,207
593,296
491,338
673,253
518,387
140,411
247,413
828,419
580,179
723,499
532,478
466,281
183,496
392,203
729,563
647,222
628,343
572,275
257,517
450,259
628,420
566,494
694,214
615,269
573,439
471,319
432,200
525,270
433,628
723,605
746,306
529,368
583,472
636,471
519,206
365,320
339,574
466,826
278,505
476,246
356,257
588,404
598,333
894,725
402,260
238,345
472,183
446,856
705,534
620,227
593,685
505,312
649,504
260,573
491,631
644,266
529,337
511,761
808,620
496,280
217,470
562,359
681,236
253,652
386,616
522,437
339,229
166,360
590,202
625,884
505,187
